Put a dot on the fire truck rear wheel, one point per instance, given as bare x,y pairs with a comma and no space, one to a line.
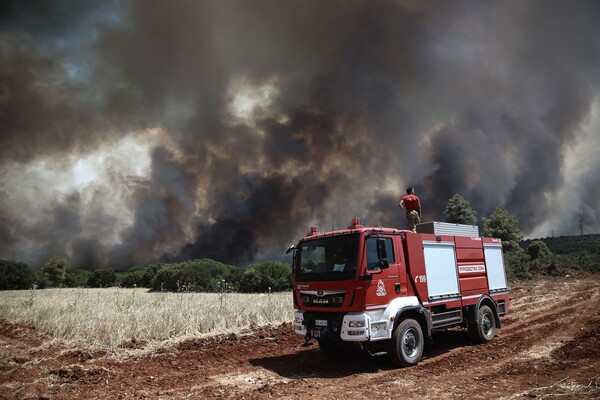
406,347
485,328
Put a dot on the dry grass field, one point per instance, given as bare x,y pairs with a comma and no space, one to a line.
113,319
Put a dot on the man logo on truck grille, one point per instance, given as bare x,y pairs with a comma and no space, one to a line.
380,289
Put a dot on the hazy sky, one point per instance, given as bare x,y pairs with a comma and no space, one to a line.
138,131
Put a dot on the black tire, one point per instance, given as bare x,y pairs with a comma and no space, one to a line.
484,329
406,347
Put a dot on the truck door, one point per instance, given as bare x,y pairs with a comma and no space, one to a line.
383,279
442,273
495,267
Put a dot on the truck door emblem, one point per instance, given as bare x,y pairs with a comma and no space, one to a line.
380,289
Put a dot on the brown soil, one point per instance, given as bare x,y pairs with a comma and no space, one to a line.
548,347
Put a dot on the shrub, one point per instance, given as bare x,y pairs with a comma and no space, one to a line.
55,270
550,264
77,277
41,280
583,261
266,277
15,275
537,249
251,282
149,274
102,278
167,278
133,278
517,264
559,265
198,275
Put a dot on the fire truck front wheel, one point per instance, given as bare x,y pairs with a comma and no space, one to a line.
406,346
485,328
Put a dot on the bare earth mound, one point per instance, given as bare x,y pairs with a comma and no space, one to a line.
548,347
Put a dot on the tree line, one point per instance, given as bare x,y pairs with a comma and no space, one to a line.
202,275
522,258
525,258
570,244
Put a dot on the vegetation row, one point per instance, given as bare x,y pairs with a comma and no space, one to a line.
203,275
550,256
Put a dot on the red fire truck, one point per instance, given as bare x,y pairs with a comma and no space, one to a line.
387,289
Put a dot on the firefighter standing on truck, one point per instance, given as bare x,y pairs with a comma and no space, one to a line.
412,206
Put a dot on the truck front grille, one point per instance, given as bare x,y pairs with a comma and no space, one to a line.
322,299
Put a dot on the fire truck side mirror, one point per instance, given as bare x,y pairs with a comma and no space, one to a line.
292,248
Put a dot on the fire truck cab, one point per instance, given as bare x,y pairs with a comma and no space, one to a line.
387,289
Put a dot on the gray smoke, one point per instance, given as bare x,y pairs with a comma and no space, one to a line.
346,104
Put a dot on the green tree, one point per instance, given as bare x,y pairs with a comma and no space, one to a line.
459,211
202,275
251,281
233,276
15,275
537,249
503,226
55,270
149,274
77,277
517,264
133,278
265,277
102,278
41,280
167,278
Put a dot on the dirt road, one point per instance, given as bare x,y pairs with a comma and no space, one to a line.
548,347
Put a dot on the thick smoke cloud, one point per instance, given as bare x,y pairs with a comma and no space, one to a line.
136,132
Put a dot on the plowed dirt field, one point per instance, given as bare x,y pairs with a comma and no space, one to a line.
548,347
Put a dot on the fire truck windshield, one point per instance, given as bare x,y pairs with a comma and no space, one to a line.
327,259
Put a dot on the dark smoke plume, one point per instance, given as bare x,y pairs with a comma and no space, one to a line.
140,131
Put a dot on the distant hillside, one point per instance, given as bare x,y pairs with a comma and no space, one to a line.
570,244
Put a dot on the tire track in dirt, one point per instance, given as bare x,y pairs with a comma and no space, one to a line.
460,363
506,356
523,345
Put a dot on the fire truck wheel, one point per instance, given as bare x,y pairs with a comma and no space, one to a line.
485,329
406,347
